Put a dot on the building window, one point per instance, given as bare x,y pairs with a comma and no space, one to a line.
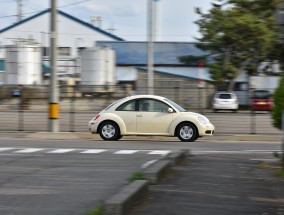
64,51
45,51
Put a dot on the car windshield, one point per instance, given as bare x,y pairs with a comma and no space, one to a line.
261,94
180,109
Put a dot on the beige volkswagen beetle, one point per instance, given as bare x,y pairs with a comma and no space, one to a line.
149,115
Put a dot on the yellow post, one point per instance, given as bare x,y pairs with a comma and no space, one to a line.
53,111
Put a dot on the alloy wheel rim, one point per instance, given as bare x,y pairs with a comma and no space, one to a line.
186,132
108,131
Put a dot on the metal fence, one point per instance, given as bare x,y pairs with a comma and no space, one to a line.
25,108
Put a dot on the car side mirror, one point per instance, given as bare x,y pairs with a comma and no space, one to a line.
170,110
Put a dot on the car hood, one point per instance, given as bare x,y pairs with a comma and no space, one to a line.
194,114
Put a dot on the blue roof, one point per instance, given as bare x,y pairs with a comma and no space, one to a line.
169,73
68,16
2,65
165,53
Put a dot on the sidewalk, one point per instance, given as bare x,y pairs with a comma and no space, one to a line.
216,185
87,135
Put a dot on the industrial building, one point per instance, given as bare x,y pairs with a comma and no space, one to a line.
73,36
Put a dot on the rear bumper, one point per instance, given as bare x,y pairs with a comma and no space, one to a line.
225,107
265,107
92,127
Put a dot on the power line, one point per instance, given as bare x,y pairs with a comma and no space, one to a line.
68,5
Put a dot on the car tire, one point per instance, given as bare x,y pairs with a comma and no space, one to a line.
187,132
109,131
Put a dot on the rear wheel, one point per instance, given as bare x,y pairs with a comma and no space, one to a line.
109,131
187,132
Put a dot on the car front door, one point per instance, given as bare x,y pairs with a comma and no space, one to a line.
153,117
127,112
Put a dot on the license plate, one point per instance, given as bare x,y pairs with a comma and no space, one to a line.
261,103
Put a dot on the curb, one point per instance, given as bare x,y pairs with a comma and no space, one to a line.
87,135
121,202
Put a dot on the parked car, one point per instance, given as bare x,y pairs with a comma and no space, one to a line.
262,100
225,101
149,115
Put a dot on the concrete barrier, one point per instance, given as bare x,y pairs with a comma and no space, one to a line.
156,171
121,202
125,199
177,157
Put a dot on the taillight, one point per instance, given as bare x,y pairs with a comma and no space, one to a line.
96,117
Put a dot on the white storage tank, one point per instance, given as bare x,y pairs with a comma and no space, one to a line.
23,63
98,66
111,76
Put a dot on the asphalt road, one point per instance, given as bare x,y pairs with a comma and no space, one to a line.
61,177
62,180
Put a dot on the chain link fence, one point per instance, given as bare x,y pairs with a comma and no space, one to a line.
25,108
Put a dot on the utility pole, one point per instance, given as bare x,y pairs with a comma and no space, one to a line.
54,96
19,10
150,49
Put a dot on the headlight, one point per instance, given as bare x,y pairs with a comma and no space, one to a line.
202,119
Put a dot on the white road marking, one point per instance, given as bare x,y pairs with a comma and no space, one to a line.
5,149
160,152
236,152
60,151
29,150
264,159
147,164
263,150
93,151
128,152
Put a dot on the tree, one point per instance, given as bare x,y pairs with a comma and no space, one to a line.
239,34
278,104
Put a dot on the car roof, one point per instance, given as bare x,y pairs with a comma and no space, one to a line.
145,96
225,93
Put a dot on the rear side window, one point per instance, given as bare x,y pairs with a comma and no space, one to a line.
127,106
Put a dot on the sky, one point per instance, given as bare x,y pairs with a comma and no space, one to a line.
127,17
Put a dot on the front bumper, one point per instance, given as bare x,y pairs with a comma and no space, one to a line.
206,130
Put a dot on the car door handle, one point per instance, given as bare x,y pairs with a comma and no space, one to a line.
139,115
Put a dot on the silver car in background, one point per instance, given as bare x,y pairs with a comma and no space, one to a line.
225,101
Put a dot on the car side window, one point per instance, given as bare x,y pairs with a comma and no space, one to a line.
151,105
127,106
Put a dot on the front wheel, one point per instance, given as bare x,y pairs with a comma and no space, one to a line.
109,131
187,132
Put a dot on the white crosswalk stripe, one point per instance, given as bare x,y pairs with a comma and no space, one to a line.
60,151
30,150
22,150
160,152
5,149
93,151
126,152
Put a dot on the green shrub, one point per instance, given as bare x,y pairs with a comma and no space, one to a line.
278,104
136,176
280,172
99,210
